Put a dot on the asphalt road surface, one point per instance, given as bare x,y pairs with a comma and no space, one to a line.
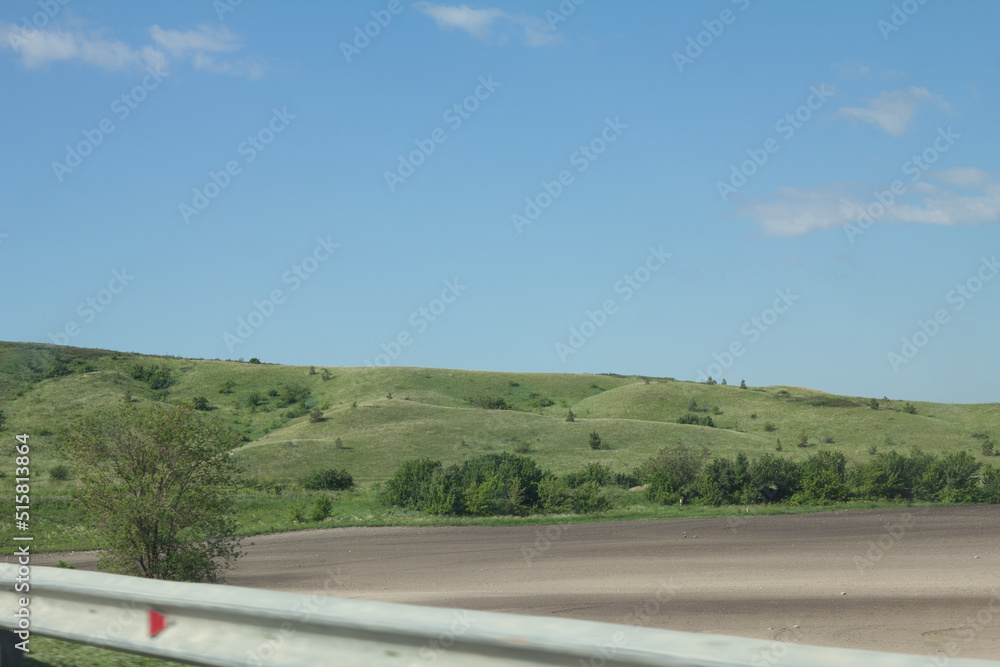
918,580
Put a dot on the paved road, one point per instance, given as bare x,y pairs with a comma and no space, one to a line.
923,581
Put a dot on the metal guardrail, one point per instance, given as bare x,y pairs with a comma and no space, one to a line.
207,624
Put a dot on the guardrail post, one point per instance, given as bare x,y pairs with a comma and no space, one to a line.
9,655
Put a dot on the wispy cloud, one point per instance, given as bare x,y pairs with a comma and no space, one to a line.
893,110
798,211
491,25
44,47
205,47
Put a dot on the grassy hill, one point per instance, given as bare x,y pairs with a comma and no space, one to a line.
383,416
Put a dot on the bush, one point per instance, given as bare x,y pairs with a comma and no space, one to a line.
59,473
594,472
570,417
588,499
823,479
490,403
488,485
770,427
321,508
316,415
328,480
157,377
909,408
254,360
327,375
772,479
595,440
873,404
298,512
553,494
988,448
200,403
691,418
226,387
723,481
291,394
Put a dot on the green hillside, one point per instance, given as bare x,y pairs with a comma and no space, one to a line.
440,414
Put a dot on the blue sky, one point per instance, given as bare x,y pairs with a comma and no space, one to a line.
786,193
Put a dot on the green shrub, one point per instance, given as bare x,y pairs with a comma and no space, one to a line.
723,481
691,418
770,427
316,415
329,480
59,473
594,472
570,417
226,387
200,403
588,499
595,440
321,508
909,408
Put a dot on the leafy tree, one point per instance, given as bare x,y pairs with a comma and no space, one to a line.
316,415
724,381
254,360
588,499
156,482
743,384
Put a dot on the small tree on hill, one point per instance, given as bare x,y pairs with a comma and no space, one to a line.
316,415
570,417
595,440
743,384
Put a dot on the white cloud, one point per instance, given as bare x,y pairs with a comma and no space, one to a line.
798,211
207,48
893,110
41,48
491,25
850,70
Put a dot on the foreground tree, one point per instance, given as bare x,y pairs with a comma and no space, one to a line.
156,482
